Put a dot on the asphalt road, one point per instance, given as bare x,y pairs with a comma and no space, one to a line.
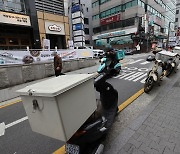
19,138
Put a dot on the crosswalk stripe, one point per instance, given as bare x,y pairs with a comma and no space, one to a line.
143,81
126,75
140,77
123,73
136,61
134,76
144,63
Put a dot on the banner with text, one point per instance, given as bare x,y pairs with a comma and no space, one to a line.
27,57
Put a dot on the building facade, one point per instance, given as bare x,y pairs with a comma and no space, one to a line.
28,22
177,21
86,6
178,13
18,25
53,25
122,23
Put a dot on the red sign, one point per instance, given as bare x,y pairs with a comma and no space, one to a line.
111,19
178,32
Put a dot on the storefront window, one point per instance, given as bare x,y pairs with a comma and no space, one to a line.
128,5
103,14
134,3
108,12
113,10
119,8
2,41
17,6
1,5
24,42
13,41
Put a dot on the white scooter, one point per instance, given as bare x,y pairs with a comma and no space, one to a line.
154,76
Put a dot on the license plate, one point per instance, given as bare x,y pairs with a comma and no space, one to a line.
72,149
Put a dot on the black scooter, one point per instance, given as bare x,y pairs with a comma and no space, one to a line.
89,138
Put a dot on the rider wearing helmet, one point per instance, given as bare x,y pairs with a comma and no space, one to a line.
111,54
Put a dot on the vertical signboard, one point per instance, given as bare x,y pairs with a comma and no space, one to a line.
71,44
78,24
46,44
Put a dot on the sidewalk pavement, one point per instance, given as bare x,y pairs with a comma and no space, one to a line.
156,130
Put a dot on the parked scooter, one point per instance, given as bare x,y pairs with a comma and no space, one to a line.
154,75
89,138
172,65
111,66
170,61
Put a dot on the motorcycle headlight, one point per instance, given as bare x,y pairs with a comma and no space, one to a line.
103,60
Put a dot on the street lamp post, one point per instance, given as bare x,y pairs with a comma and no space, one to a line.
146,23
169,27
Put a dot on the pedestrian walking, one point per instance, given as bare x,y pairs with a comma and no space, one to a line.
57,64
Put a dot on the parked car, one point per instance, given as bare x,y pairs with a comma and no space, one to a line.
128,51
150,58
98,53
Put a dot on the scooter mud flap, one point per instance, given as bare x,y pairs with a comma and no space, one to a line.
101,67
100,149
154,77
118,65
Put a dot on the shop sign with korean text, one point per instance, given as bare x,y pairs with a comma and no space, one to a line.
26,57
111,19
115,33
54,28
15,19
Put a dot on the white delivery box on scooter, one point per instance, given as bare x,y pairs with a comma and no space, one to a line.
59,106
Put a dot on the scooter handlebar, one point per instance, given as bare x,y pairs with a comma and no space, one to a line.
101,78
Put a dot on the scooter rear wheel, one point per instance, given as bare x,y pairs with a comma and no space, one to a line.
148,85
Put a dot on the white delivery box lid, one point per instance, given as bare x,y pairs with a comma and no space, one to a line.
63,104
168,53
55,86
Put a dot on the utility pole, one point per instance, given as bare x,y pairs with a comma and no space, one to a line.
169,27
146,22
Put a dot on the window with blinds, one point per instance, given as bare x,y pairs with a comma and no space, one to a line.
50,6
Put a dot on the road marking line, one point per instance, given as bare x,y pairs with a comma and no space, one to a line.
140,77
130,100
135,61
120,107
18,101
134,76
144,63
3,127
143,81
126,75
16,122
60,150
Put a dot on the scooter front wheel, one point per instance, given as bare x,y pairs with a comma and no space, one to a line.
148,84
99,149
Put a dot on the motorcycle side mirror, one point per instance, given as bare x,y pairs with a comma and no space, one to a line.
150,58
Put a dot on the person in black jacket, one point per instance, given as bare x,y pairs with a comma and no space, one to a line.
57,64
111,54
